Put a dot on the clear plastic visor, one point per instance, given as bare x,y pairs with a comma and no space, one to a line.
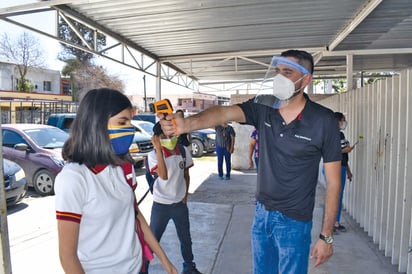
277,93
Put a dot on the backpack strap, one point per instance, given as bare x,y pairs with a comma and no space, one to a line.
182,152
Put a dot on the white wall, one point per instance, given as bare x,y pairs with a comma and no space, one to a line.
380,196
34,75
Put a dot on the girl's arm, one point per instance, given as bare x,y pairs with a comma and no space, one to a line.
161,165
251,149
68,237
155,246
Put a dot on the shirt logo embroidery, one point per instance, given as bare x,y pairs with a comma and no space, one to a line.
303,137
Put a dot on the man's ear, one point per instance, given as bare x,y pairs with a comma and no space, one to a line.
307,79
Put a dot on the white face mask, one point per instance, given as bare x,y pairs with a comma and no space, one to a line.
283,87
344,125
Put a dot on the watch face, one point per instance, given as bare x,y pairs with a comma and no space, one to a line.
329,239
326,238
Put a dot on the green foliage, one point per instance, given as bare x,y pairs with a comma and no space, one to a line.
71,66
339,85
24,85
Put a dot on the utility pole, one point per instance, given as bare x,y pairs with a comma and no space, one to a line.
144,90
5,267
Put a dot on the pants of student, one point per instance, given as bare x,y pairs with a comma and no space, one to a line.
279,244
257,163
179,213
222,152
342,188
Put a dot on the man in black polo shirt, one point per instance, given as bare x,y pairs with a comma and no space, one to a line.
294,133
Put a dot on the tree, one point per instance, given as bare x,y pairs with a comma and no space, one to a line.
26,52
83,73
66,33
89,76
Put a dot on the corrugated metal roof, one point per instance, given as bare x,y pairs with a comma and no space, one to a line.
233,39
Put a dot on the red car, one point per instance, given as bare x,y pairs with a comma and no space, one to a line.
37,149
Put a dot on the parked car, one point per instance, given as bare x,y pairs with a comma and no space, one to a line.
15,184
141,146
203,140
144,127
61,120
149,117
37,149
139,149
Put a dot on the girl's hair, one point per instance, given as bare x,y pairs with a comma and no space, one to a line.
89,141
339,116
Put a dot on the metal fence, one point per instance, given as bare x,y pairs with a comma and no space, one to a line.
30,111
380,196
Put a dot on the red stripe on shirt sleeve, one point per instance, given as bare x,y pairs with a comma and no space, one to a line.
68,216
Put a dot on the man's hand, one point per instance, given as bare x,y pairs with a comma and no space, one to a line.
172,124
321,252
349,175
251,163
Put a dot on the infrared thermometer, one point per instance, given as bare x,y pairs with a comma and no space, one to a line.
163,106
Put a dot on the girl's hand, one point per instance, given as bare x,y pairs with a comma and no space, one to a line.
156,142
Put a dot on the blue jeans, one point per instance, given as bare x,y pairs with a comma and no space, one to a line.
257,163
279,243
220,153
179,213
342,188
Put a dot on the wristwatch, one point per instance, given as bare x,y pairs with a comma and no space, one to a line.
327,238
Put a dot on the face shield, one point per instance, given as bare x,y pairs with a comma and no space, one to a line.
277,89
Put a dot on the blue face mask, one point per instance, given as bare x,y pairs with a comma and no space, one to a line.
121,138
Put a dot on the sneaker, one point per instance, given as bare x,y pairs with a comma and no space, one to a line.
190,269
340,228
227,178
221,178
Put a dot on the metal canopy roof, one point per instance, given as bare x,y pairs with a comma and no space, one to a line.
221,41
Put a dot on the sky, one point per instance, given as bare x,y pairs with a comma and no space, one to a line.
134,84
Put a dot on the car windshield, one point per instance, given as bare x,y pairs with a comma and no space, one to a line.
48,137
148,127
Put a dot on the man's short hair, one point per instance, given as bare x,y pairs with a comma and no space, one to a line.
305,58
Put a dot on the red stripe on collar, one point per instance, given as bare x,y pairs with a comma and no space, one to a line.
168,153
299,117
97,168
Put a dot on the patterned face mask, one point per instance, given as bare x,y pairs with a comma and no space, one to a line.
169,144
121,138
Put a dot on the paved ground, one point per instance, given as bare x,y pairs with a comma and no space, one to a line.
221,213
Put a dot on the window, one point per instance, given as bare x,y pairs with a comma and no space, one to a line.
46,86
66,88
10,138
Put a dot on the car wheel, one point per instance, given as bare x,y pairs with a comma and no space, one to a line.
43,182
197,148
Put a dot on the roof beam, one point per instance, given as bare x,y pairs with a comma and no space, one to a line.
208,56
362,14
368,52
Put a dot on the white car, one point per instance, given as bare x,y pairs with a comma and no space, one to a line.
144,127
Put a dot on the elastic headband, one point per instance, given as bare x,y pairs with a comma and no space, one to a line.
287,62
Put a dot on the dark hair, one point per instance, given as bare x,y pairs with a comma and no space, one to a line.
157,129
305,58
89,140
339,116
